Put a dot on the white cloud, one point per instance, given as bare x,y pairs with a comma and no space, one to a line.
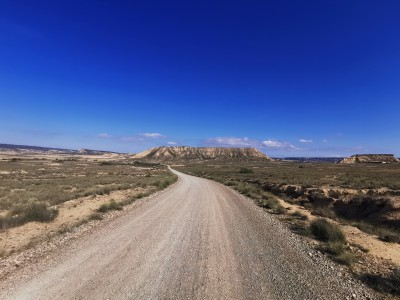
131,139
273,144
152,135
171,143
305,141
104,136
231,141
325,141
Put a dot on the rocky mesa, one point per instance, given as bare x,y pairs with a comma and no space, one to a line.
200,153
370,158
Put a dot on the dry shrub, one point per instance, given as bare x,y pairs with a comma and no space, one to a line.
325,231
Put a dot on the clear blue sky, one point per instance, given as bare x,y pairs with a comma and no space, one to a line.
293,78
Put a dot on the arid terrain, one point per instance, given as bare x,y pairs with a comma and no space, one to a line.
43,194
290,230
363,199
198,240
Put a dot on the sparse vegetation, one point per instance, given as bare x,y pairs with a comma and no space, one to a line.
326,231
335,248
269,203
39,212
245,170
334,241
111,205
369,176
358,195
346,258
96,216
385,234
300,215
32,189
389,284
344,193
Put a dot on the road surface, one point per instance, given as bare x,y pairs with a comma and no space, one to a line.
197,240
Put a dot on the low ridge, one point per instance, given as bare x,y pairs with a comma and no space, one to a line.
48,150
200,153
370,158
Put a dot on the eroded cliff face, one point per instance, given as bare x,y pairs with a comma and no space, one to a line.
370,158
200,153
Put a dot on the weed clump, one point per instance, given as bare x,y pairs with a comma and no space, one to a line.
335,248
246,170
112,205
300,215
38,212
327,232
346,258
272,203
96,216
269,203
31,212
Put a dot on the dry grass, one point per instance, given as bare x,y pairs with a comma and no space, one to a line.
345,193
257,184
366,176
32,189
326,231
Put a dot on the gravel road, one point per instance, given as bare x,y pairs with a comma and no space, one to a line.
196,240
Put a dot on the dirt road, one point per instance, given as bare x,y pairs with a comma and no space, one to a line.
197,240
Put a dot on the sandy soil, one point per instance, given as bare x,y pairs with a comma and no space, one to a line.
70,213
375,247
197,240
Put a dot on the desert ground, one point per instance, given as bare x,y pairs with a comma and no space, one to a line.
45,195
363,200
198,240
248,236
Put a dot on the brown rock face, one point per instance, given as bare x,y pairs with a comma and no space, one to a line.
370,158
200,153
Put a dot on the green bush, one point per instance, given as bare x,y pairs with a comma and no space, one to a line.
325,231
246,170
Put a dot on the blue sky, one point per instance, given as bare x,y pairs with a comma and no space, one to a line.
292,78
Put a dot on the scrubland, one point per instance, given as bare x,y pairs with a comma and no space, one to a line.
40,196
351,212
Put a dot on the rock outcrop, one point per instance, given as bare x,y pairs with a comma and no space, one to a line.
200,153
370,158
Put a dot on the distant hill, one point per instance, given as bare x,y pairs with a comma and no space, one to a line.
370,158
314,159
44,150
200,153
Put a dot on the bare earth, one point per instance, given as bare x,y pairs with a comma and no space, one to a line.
197,240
